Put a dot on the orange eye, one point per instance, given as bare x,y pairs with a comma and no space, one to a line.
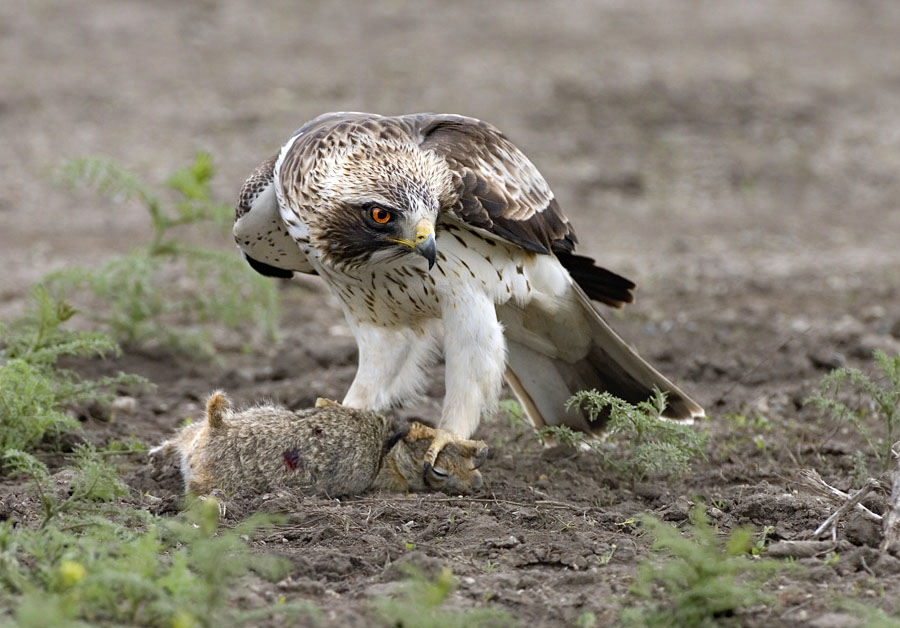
381,216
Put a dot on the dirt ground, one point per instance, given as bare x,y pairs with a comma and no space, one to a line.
738,161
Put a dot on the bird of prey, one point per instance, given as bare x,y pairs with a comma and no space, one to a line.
436,233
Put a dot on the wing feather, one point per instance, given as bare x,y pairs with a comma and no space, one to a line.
256,184
259,231
501,193
500,190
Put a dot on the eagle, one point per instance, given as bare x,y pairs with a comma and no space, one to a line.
438,235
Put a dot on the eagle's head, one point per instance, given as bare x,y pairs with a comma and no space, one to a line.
369,195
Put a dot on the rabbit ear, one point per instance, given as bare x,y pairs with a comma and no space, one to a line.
217,406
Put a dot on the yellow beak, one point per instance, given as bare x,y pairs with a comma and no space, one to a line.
425,244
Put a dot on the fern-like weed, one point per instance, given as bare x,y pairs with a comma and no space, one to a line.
167,290
34,389
703,581
420,604
871,405
647,444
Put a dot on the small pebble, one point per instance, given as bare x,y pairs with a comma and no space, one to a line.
125,405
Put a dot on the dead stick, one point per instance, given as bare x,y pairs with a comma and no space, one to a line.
891,542
851,502
812,479
800,549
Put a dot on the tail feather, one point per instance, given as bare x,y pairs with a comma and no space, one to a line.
598,283
558,349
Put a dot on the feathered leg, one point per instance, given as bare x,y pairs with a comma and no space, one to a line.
475,357
393,363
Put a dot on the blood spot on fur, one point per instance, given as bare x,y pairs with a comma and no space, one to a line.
292,459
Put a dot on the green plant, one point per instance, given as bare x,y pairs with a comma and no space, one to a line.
34,389
648,444
755,422
420,605
871,617
860,468
93,561
760,545
514,413
703,582
745,428
93,481
166,290
879,396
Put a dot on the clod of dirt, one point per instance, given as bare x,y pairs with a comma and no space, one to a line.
835,620
862,531
826,359
123,405
429,566
678,510
790,514
886,565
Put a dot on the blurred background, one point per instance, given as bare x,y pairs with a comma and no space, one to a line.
738,160
698,142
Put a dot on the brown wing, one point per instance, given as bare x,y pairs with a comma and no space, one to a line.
255,185
259,231
500,189
503,193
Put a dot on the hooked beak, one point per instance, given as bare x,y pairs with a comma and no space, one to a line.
425,244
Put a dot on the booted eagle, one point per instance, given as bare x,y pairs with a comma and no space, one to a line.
437,234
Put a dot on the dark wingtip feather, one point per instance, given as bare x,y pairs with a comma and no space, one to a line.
267,270
598,283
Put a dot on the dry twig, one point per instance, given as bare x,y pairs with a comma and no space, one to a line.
891,525
852,501
811,479
803,549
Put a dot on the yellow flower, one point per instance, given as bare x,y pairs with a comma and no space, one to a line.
183,619
70,573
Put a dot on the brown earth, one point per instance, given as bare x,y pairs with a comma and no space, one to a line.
737,160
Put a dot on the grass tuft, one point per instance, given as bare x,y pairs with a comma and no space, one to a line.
93,561
704,581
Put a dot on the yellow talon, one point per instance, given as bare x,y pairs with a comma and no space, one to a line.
439,440
322,402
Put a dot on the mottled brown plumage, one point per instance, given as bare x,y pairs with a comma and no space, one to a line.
475,258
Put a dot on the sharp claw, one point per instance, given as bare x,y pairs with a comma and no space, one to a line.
426,469
439,440
477,450
480,457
